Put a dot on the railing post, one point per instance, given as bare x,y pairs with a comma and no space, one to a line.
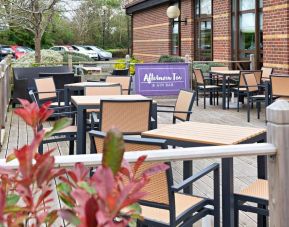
127,61
70,66
252,60
278,165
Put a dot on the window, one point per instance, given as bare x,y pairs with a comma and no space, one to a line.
175,36
247,29
203,30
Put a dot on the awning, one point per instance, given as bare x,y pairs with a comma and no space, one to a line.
142,5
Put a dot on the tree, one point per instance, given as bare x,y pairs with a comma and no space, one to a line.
32,15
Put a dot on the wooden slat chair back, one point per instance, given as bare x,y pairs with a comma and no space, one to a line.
157,189
266,72
184,102
251,82
124,81
128,116
280,86
258,74
46,85
103,90
199,76
219,68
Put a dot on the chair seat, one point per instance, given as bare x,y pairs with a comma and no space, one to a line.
259,189
68,129
183,203
240,89
93,111
258,96
208,86
227,84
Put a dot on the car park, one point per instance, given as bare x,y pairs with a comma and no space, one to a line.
20,51
90,53
62,49
102,54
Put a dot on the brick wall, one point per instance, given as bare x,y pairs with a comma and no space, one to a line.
151,33
276,35
222,30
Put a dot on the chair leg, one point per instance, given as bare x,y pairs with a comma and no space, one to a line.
258,106
248,107
238,101
71,147
217,97
228,100
204,99
197,97
236,214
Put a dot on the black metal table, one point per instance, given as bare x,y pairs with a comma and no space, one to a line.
195,134
83,103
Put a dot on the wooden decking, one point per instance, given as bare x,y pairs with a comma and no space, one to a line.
245,171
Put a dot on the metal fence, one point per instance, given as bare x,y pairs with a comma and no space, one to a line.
5,93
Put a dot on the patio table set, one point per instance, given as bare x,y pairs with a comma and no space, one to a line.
256,85
110,103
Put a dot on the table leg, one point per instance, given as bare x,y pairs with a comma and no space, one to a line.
224,92
187,172
228,192
155,115
266,94
81,131
66,90
211,94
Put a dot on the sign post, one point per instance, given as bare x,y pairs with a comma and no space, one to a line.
162,79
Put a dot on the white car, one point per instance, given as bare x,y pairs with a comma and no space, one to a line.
90,53
62,49
102,54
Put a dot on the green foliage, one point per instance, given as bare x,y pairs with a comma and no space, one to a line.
122,65
118,53
76,57
215,64
169,58
204,67
49,57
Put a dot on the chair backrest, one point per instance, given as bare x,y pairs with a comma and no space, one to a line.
184,102
124,81
251,82
219,68
199,76
266,72
280,85
45,85
128,116
257,73
33,97
157,189
103,90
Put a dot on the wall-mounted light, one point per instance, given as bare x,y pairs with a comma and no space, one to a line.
173,12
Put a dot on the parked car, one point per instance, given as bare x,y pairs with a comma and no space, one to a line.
102,54
62,49
5,50
90,53
20,51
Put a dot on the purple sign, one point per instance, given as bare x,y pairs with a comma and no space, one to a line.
161,79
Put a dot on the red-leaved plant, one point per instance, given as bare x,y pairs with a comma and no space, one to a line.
108,198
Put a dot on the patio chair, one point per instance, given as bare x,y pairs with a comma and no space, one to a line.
164,204
182,109
66,134
266,73
124,81
203,86
129,116
280,87
256,193
114,89
46,91
218,68
253,94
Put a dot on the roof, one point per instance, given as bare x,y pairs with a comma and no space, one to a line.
139,5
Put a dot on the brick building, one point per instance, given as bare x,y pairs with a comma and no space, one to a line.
215,30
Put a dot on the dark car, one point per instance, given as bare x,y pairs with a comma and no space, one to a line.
5,50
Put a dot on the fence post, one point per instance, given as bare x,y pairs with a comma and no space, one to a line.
278,168
252,60
127,60
70,66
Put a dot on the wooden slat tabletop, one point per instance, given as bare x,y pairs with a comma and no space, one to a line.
95,100
205,133
87,84
226,72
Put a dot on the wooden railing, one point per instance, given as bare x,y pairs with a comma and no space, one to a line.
277,150
5,92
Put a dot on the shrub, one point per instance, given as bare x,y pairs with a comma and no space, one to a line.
169,58
204,67
215,64
76,57
48,57
118,53
122,65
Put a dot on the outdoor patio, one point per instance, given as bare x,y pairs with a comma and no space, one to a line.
245,168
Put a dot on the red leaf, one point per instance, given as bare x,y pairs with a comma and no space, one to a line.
139,162
155,169
91,209
2,204
25,156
